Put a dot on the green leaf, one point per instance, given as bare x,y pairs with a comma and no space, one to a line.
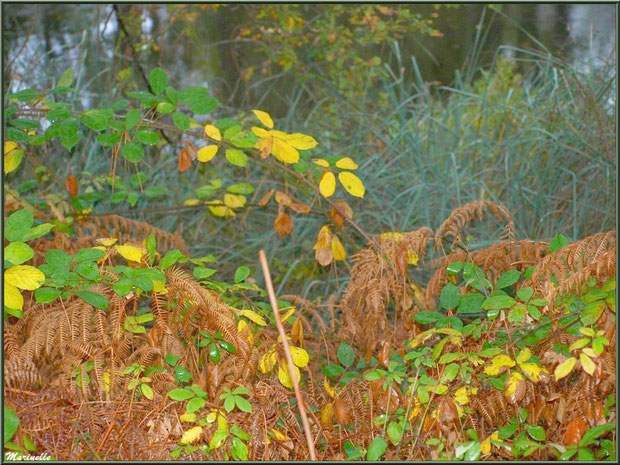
536,432
241,274
18,253
507,431
109,138
454,268
38,231
147,137
180,394
195,404
525,293
238,449
214,353
332,370
201,272
498,302
376,449
11,423
346,354
181,120
17,225
94,299
395,432
45,295
592,312
450,297
171,257
198,100
236,157
242,188
158,79
451,371
146,391
517,314
228,347
123,287
237,431
241,390
88,255
507,279
557,243
171,359
66,79
243,404
26,94
473,453
594,433
88,270
132,118
470,303
427,318
95,120
229,403
132,151
165,108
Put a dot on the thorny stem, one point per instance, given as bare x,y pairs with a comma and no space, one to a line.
287,353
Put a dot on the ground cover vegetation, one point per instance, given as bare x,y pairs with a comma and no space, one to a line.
444,260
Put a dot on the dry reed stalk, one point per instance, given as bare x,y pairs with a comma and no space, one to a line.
287,353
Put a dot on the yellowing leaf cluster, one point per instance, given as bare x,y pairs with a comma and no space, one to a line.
12,156
328,247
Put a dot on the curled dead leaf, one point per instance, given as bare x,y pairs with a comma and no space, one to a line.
342,411
184,160
265,198
283,224
337,216
71,184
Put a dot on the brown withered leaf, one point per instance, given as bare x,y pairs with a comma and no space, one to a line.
185,160
574,431
336,216
282,198
342,411
300,207
448,412
265,198
384,354
283,224
297,332
264,147
71,184
391,396
323,255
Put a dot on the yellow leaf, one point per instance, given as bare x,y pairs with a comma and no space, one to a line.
213,132
191,435
207,153
158,286
461,396
188,417
130,252
12,160
387,236
352,184
338,250
327,415
512,384
589,351
278,134
301,141
267,361
9,145
234,200
222,211
564,368
24,277
191,202
260,132
327,185
12,297
498,364
253,316
284,152
264,118
211,417
283,374
328,388
300,356
107,241
533,371
346,164
324,237
106,381
321,162
278,435
412,257
524,356
222,422
288,314
587,364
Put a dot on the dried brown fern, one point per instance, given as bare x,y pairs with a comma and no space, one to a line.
462,216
